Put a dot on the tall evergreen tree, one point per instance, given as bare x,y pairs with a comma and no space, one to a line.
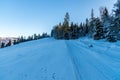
55,32
105,18
92,24
98,33
66,26
115,29
87,26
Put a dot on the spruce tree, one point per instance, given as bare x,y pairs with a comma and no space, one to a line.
87,26
105,18
66,26
92,24
98,33
114,30
2,45
9,43
35,37
74,31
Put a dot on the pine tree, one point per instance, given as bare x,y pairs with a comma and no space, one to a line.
45,35
84,29
2,45
61,31
30,38
98,33
21,39
14,42
105,18
55,32
92,24
71,30
35,37
9,43
87,26
111,38
39,36
66,26
74,31
115,29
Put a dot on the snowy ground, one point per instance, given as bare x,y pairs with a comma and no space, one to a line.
49,59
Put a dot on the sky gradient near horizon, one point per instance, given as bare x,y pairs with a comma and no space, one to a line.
26,17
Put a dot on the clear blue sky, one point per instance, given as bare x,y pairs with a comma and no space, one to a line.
26,17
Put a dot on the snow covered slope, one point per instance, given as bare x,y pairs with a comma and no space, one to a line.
49,59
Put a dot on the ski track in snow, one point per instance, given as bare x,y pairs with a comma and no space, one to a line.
49,59
92,65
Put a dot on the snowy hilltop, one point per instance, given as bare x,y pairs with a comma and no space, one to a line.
50,59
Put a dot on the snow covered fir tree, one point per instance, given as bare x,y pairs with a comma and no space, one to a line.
107,26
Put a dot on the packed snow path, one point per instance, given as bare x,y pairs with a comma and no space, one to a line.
95,63
49,59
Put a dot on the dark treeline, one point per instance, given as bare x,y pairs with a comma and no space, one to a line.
30,38
107,26
23,39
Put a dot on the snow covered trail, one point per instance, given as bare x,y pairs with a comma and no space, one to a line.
45,59
50,59
92,64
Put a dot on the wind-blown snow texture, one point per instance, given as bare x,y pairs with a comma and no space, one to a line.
49,59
